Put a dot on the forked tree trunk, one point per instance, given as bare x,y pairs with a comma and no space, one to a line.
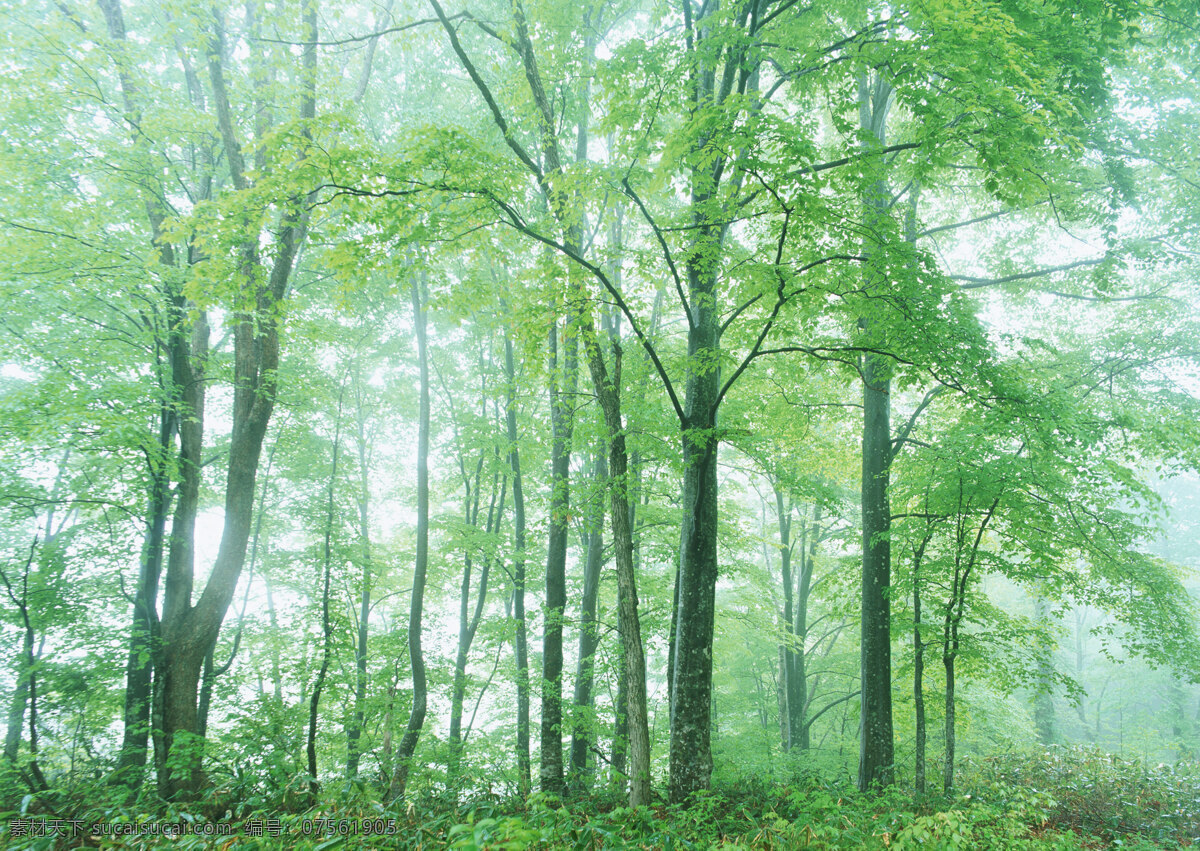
182,398
468,622
189,631
637,719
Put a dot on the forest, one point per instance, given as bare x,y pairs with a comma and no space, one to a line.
604,424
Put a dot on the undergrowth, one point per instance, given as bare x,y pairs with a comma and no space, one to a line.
1058,798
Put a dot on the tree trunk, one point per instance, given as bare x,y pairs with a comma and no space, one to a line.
468,626
581,735
787,650
180,562
314,703
210,672
691,733
520,639
189,631
918,679
948,768
25,694
637,719
139,665
1043,702
416,718
562,401
182,399
620,735
20,699
876,746
799,699
918,669
354,729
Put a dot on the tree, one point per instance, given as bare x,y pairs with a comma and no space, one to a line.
420,696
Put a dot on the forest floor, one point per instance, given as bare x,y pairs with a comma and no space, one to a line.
1057,798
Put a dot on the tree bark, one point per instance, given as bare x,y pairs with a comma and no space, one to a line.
876,754
691,693
562,401
581,737
139,665
948,767
637,719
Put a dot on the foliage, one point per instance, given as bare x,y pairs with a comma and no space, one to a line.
1100,794
1057,798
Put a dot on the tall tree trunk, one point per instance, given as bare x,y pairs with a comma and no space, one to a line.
799,698
416,718
637,718
139,666
562,402
918,676
695,609
520,639
25,694
181,550
1044,719
787,650
876,754
314,703
189,631
468,623
620,734
24,666
182,398
948,767
458,688
581,734
20,700
354,729
210,671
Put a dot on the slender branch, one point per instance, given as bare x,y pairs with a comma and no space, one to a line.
515,221
666,250
354,39
486,93
972,283
827,707
978,219
902,437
